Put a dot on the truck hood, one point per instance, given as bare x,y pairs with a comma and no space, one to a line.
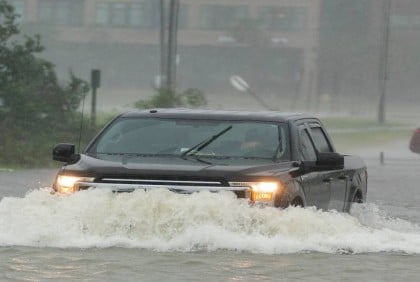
176,166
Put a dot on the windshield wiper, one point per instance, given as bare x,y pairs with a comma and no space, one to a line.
127,156
198,147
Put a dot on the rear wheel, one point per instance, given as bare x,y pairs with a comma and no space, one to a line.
297,202
357,199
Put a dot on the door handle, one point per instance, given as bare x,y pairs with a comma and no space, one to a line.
327,180
343,177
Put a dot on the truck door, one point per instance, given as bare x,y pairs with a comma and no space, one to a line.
336,178
315,186
338,190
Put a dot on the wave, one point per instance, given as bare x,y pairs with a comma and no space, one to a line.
164,221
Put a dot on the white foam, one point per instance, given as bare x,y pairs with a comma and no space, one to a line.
164,221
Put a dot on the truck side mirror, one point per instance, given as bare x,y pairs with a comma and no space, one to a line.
330,161
325,161
64,152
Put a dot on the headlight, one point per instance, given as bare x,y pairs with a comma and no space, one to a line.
265,187
68,184
261,191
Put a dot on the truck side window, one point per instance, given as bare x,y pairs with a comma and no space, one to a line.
320,140
307,150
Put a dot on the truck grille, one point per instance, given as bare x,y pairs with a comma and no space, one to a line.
161,182
175,185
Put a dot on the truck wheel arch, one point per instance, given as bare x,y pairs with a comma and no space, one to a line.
294,196
297,202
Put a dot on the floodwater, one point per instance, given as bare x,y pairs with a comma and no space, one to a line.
158,235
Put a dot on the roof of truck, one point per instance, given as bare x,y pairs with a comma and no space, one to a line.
182,113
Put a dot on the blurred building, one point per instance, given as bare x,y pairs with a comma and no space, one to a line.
351,58
405,53
271,43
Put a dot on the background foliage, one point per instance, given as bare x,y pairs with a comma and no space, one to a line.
36,110
166,98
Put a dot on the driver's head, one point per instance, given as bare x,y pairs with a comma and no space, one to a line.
253,140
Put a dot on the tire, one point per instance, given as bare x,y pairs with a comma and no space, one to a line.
357,198
297,202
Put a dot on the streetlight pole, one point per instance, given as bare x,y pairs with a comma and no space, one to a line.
384,66
241,85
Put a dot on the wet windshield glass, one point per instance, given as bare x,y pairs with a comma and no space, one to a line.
164,137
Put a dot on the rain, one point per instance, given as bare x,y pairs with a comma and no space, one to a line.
68,67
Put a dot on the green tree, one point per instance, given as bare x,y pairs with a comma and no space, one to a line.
34,104
165,98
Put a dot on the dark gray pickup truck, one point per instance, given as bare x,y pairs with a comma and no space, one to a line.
266,157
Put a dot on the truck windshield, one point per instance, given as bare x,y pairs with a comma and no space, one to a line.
174,137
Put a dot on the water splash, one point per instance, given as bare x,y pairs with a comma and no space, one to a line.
164,221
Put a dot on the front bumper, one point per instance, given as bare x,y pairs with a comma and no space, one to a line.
253,191
242,191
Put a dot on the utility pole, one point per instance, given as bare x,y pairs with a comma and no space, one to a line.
169,42
172,44
163,41
384,65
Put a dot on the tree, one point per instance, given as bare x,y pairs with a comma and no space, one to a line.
32,98
165,98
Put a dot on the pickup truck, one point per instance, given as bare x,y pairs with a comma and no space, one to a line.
415,141
268,158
